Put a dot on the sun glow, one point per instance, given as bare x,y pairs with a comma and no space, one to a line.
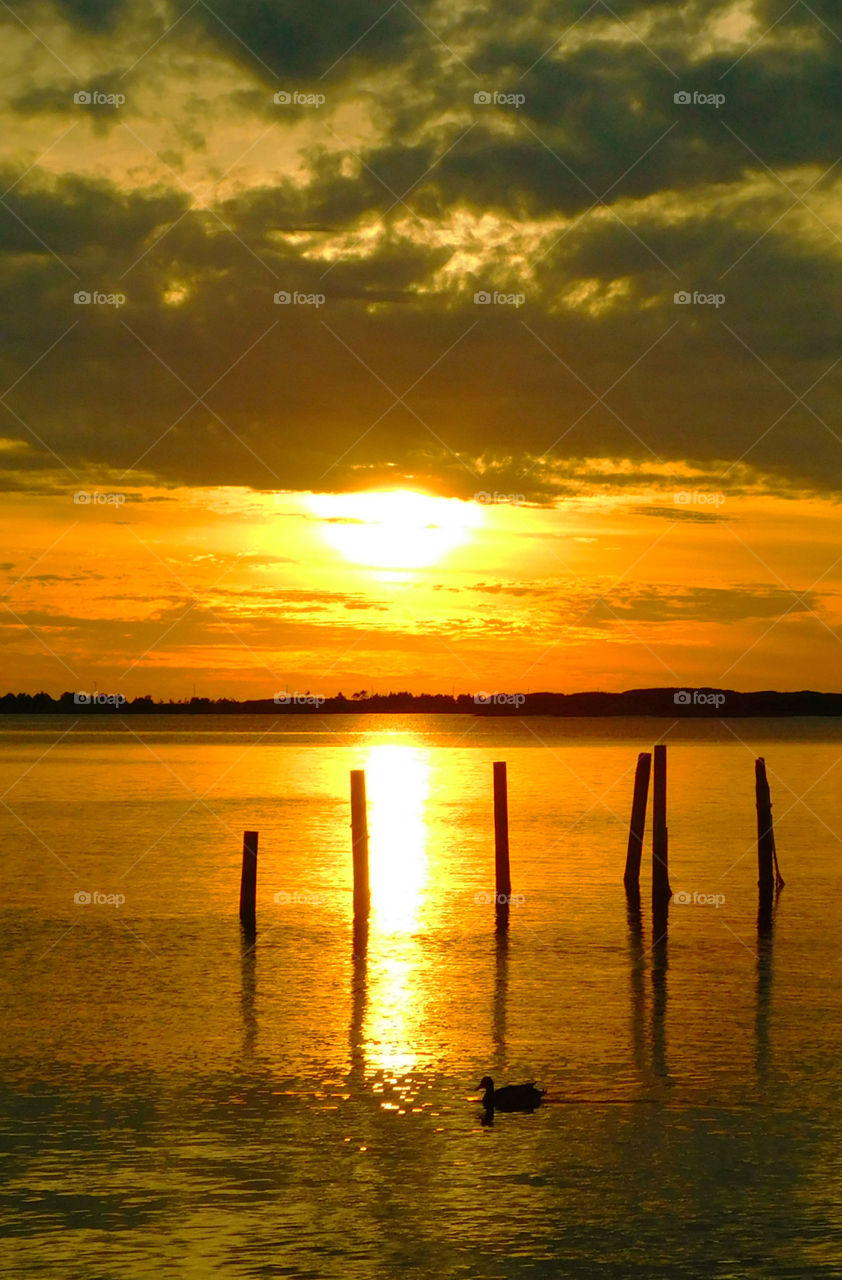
394,528
398,782
398,786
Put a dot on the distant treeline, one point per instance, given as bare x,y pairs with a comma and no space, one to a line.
680,703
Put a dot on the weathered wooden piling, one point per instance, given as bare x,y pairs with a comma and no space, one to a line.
248,881
660,837
637,824
359,843
502,874
768,873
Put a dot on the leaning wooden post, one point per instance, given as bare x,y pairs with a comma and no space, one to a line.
765,833
359,843
638,821
248,881
502,874
660,837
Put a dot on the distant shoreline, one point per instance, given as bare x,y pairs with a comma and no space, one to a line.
682,704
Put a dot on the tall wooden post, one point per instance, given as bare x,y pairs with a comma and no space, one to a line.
359,843
248,881
765,833
502,875
661,890
638,822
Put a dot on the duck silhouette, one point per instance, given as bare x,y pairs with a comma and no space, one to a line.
512,1097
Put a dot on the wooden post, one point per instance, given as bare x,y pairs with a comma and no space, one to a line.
248,881
502,875
660,837
638,822
765,834
359,843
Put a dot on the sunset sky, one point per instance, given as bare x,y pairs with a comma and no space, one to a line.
394,382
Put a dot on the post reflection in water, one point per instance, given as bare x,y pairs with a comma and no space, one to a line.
660,923
638,995
359,986
765,917
247,994
388,1002
501,980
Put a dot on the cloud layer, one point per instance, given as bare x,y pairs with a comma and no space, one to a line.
581,211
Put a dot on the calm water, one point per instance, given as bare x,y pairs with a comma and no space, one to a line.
177,1104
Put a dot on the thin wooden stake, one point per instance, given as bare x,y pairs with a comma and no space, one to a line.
359,843
660,837
248,881
768,873
638,823
502,874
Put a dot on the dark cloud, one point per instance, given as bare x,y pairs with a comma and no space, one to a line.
286,38
651,603
686,514
400,375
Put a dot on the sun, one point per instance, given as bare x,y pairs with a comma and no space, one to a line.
394,528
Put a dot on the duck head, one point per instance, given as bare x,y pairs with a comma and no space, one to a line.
487,1084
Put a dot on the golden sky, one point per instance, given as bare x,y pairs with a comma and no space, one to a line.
427,347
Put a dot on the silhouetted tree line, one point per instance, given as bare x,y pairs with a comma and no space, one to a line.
703,704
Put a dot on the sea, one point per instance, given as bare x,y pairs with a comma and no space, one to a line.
179,1098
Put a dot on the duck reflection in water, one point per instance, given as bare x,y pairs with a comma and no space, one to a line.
512,1097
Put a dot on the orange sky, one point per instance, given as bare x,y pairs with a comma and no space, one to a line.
413,350
245,594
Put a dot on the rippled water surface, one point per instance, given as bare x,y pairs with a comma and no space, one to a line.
176,1102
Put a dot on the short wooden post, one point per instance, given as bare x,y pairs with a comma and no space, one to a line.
359,843
248,881
660,837
765,833
502,874
638,821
